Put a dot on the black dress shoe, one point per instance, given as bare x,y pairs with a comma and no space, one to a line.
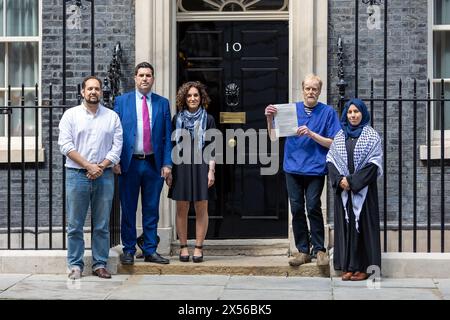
156,258
140,244
127,259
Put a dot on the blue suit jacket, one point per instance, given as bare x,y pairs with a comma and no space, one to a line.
125,106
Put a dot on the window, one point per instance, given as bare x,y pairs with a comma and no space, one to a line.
20,50
232,5
441,59
19,58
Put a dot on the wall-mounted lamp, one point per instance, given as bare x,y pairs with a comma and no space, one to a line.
374,12
72,21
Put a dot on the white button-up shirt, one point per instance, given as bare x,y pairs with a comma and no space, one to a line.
95,137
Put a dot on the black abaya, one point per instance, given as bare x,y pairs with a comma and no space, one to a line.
356,251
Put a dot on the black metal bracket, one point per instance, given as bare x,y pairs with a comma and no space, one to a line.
6,111
372,2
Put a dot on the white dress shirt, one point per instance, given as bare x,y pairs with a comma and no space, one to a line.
139,142
95,137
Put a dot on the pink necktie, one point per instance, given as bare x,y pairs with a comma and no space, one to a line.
147,129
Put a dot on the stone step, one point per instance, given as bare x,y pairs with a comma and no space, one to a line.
252,247
228,265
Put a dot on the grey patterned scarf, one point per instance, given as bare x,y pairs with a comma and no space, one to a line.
195,123
368,150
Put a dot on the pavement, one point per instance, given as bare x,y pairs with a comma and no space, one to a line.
189,288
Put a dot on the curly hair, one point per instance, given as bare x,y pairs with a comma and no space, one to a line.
183,91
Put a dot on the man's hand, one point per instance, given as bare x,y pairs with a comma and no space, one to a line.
117,169
94,171
304,131
166,172
270,112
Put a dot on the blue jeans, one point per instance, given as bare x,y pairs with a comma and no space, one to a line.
82,192
309,188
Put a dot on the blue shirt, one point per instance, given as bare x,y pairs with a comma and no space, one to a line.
304,156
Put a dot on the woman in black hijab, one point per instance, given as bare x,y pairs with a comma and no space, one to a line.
354,164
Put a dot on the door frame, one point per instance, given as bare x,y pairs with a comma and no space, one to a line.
233,214
155,41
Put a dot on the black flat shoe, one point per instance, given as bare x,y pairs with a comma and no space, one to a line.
184,258
198,259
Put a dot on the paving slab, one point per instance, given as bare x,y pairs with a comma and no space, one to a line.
281,295
279,283
385,294
408,283
166,292
60,290
387,283
442,283
87,277
9,280
206,280
444,287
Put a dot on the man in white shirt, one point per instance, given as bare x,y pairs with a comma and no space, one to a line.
91,139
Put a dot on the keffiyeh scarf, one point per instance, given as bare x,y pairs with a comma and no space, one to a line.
368,150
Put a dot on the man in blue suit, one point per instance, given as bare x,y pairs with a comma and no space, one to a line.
145,162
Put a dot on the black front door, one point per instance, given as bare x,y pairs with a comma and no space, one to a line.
245,67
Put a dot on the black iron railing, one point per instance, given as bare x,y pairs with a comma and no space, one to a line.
413,198
410,178
32,195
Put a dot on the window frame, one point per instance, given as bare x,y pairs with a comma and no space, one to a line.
215,15
432,28
16,141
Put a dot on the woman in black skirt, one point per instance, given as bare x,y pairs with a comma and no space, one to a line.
194,169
